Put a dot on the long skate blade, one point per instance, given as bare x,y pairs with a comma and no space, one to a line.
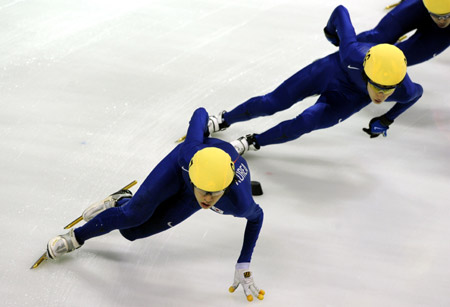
129,185
80,218
74,222
39,261
181,139
392,5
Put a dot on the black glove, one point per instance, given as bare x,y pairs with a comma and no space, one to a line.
331,37
378,125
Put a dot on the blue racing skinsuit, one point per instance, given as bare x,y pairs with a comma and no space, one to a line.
166,197
428,41
337,78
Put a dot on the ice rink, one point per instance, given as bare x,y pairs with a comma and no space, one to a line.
93,95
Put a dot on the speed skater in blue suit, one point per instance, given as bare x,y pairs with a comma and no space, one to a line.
346,81
429,18
200,173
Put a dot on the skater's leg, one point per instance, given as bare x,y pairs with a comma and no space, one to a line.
161,184
169,214
330,109
309,81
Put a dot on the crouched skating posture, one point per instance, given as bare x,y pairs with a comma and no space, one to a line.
200,173
346,82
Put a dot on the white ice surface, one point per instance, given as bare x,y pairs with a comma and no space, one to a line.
93,95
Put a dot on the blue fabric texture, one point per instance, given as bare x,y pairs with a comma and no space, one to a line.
336,78
166,197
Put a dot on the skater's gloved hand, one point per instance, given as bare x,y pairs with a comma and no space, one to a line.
378,125
331,37
243,276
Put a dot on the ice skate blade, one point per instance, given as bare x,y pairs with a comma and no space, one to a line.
181,139
80,218
39,261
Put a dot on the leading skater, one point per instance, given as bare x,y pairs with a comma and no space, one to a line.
201,173
347,81
429,18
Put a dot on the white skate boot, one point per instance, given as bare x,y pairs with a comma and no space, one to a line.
62,245
245,143
109,202
216,123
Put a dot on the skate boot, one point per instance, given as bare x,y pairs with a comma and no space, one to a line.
62,245
109,202
217,123
245,143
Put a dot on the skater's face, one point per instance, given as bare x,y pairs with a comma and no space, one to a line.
378,94
442,21
207,199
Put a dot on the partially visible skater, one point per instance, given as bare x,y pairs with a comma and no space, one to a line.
347,81
200,173
429,18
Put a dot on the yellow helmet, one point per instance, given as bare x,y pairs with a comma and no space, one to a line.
385,64
439,7
211,169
